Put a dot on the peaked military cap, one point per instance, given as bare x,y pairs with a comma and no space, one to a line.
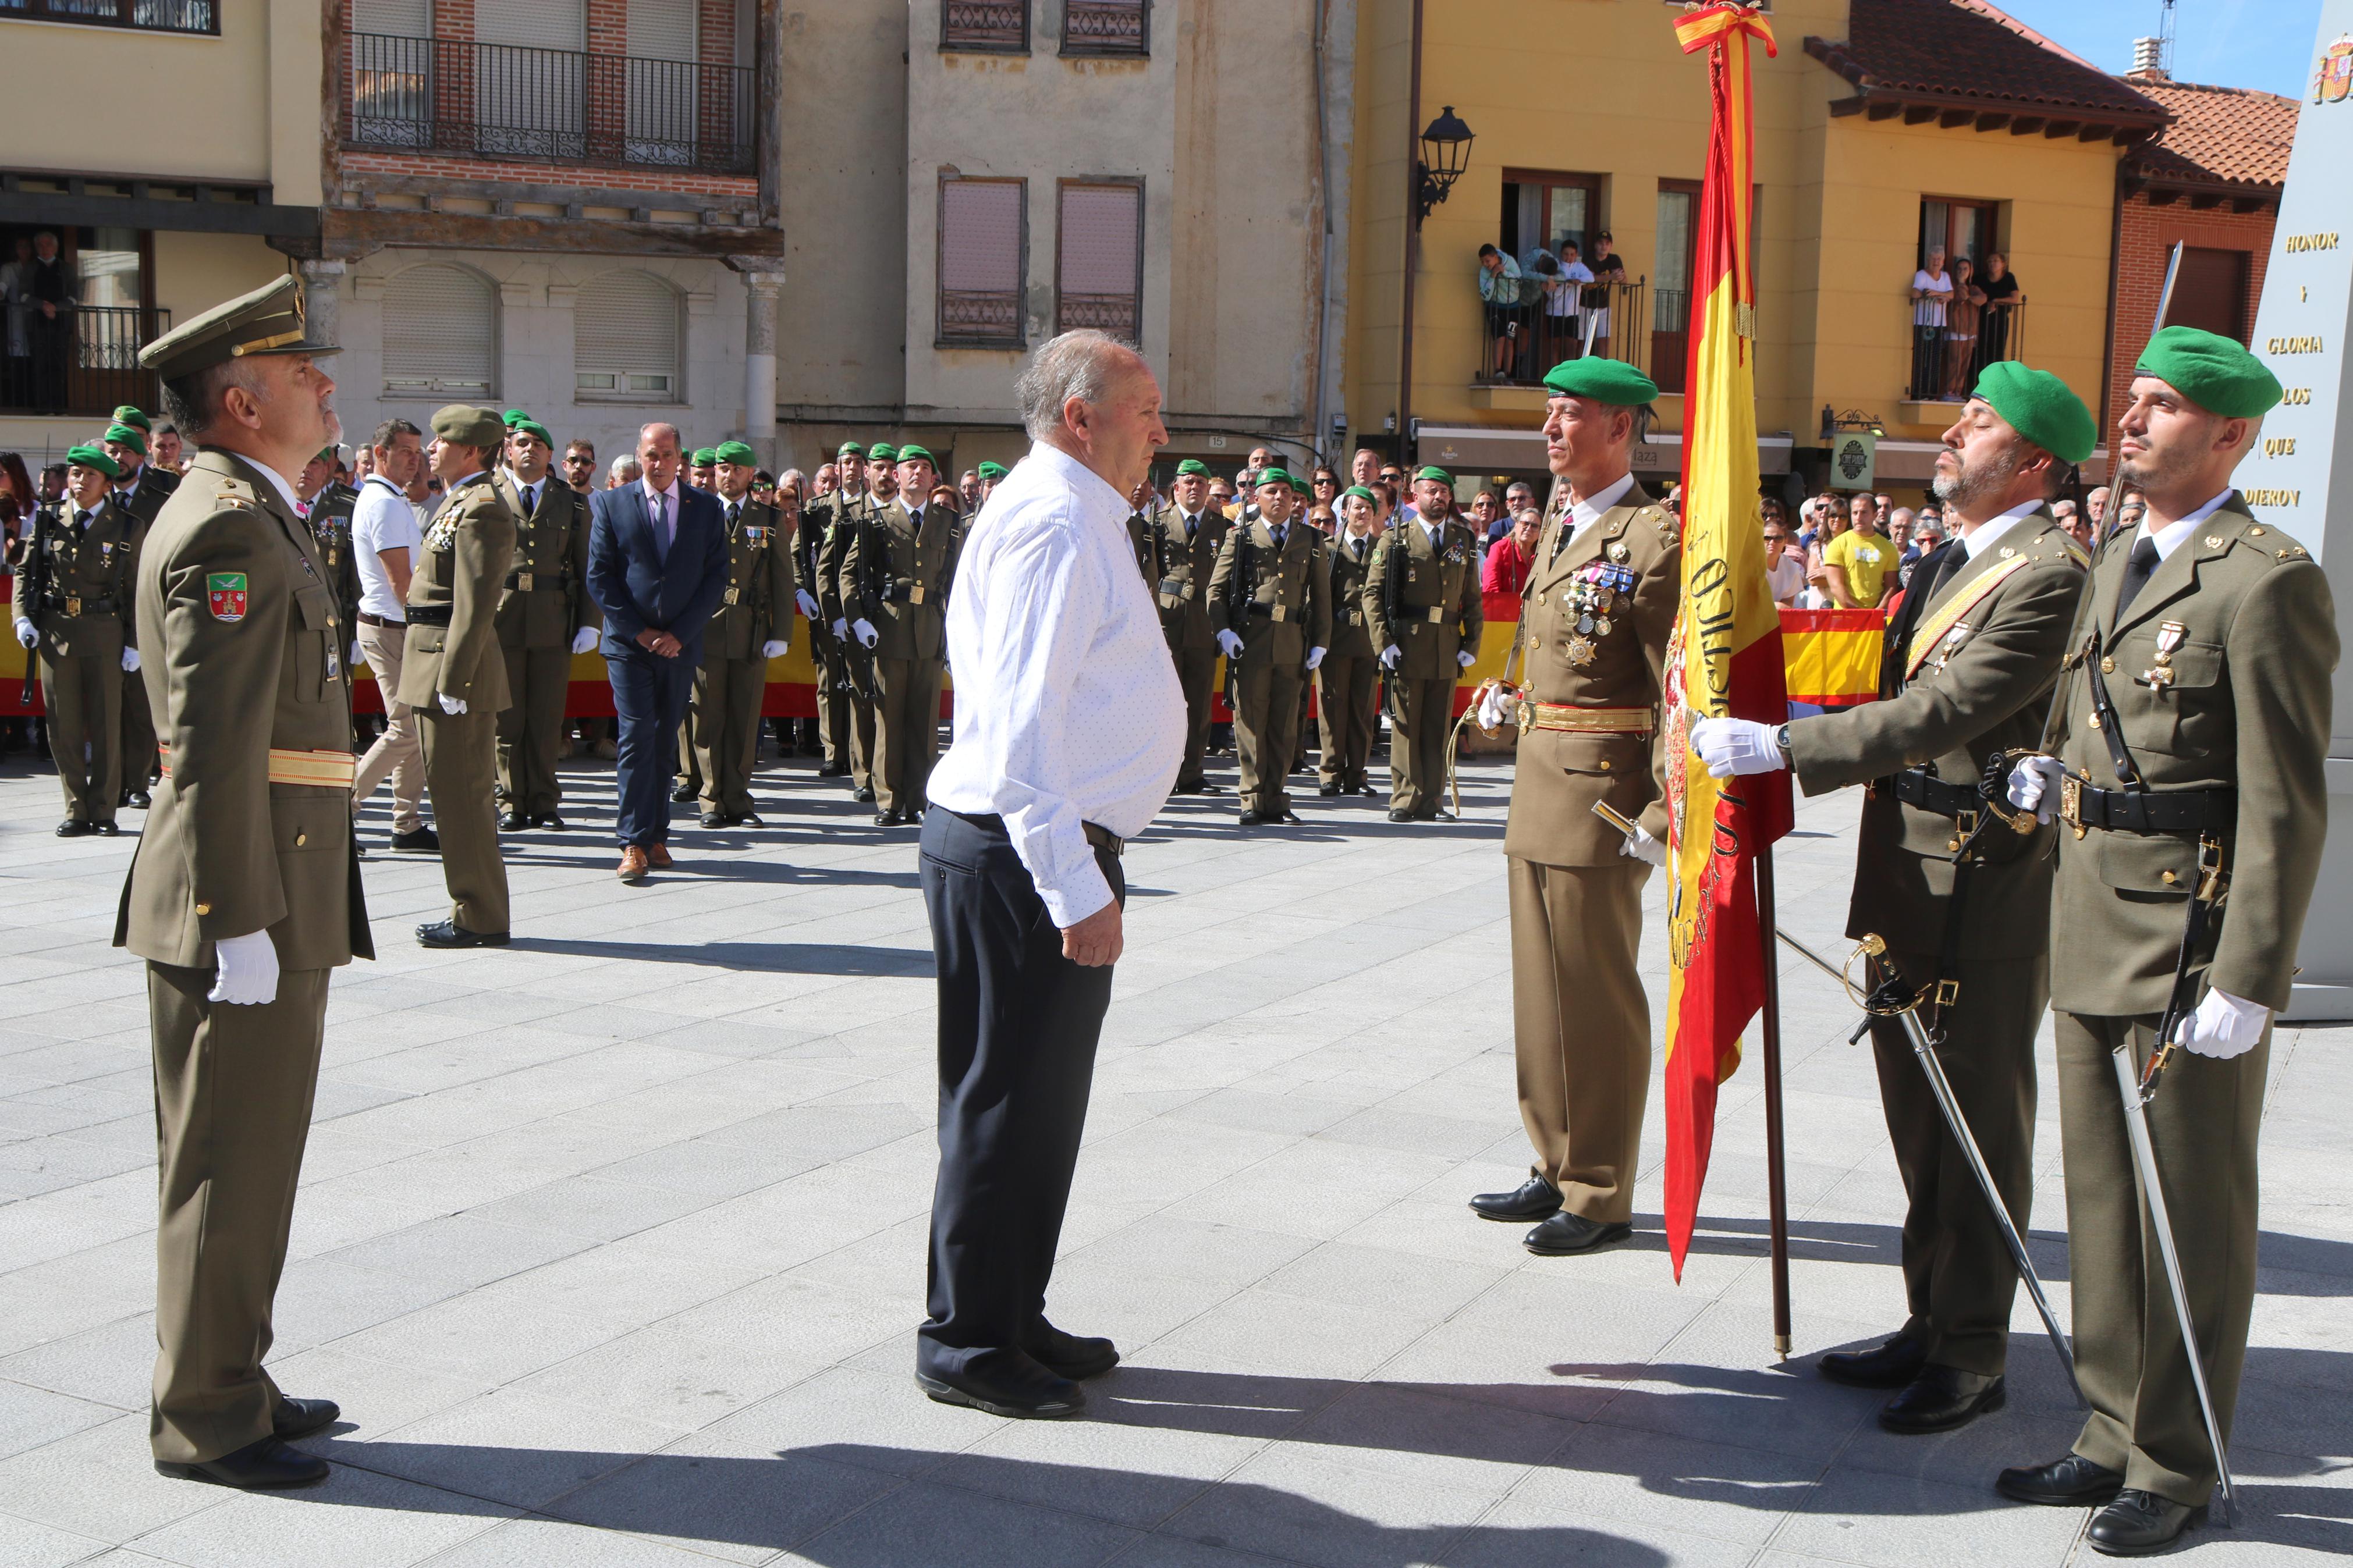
2213,371
464,425
735,452
1609,381
270,321
92,457
2041,407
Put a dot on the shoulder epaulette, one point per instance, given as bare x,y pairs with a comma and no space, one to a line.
2268,541
1660,518
237,492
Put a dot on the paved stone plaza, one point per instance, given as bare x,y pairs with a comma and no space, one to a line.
611,1243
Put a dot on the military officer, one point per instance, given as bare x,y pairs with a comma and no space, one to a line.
881,487
244,892
326,505
141,490
544,619
1972,682
452,675
1594,621
81,557
827,512
701,466
897,575
991,475
1421,600
2190,736
1346,681
1191,531
1271,609
754,624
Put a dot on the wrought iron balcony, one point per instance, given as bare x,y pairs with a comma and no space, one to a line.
83,360
554,106
1107,27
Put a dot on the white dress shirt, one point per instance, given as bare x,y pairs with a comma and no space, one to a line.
1584,514
2168,538
1067,706
382,519
529,492
1984,536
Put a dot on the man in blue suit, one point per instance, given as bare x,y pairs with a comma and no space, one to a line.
657,567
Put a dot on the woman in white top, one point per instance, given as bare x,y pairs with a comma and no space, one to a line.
1932,291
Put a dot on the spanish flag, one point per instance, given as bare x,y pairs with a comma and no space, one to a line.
1725,655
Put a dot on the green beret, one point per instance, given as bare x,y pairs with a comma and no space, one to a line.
269,321
1360,490
514,417
1272,476
463,425
2039,407
92,457
882,452
1193,469
736,452
910,453
849,449
530,427
129,413
1440,475
1609,381
704,457
124,435
991,470
2215,373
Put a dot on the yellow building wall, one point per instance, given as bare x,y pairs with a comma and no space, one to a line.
193,272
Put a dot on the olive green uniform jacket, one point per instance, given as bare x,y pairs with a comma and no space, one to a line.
1440,610
543,601
469,546
1291,593
1186,567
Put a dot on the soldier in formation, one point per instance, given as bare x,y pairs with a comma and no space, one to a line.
1271,609
897,576
1420,597
141,490
1349,677
73,611
545,617
753,624
1191,532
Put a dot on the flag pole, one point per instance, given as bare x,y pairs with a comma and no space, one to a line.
1776,1185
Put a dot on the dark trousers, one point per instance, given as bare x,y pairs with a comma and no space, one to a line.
1018,1028
649,695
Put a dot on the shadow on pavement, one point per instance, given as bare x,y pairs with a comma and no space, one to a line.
777,957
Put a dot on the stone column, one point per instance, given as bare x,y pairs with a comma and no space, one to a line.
762,278
322,303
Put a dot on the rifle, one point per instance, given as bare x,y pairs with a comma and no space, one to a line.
32,584
1393,617
1242,591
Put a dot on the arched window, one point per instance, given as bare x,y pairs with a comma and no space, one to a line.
441,333
626,338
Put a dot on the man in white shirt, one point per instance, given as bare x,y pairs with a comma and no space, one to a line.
1069,727
386,539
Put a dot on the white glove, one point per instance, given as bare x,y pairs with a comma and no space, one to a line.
807,603
840,630
772,649
249,970
1232,642
1498,707
584,639
866,635
1315,657
1641,845
452,706
358,657
2224,1026
2031,780
130,661
1734,746
26,634
1391,655
1465,658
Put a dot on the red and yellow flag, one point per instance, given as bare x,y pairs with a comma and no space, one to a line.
1725,658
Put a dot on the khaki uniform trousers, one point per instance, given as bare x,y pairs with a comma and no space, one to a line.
141,757
1197,675
233,1091
864,737
84,693
1346,715
399,751
1417,731
532,730
906,730
725,720
2128,1350
1266,731
1582,1029
462,772
832,706
688,777
1959,1279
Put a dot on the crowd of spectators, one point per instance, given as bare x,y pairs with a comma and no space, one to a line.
1544,306
1961,321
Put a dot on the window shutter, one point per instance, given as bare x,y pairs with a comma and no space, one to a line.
393,18
1102,241
625,339
532,24
981,223
441,333
661,30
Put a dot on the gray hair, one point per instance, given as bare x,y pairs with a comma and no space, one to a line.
1083,364
626,467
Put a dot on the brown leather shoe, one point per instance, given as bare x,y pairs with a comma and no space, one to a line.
658,856
633,866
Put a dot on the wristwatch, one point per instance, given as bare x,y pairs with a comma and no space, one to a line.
1781,739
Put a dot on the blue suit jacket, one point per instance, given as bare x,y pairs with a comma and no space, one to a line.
638,587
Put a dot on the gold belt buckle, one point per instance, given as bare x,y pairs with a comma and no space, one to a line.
2071,803
524,580
915,594
1436,613
730,597
73,603
1527,715
1281,613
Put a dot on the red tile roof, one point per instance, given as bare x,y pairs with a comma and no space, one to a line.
2219,135
1968,54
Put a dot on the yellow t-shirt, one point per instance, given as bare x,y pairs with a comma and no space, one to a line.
1867,562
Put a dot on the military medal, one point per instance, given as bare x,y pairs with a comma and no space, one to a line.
1619,553
1602,626
1580,652
2170,636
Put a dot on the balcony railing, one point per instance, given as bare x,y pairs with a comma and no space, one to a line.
1944,367
985,26
554,106
1520,344
83,360
1107,26
138,16
976,318
1117,314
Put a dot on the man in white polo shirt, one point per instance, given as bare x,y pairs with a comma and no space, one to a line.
384,541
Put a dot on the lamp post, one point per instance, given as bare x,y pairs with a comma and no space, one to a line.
1445,152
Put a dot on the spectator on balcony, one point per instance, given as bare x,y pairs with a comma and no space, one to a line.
1609,271
16,378
1565,304
1931,292
1499,294
2002,299
1859,561
1961,318
1785,567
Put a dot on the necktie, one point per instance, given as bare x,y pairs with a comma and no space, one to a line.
662,524
529,499
82,521
1278,537
1191,521
2137,575
735,510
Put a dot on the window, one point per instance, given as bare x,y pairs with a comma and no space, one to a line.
1106,27
142,15
2210,293
984,26
1099,257
1961,229
624,340
441,333
983,255
1671,305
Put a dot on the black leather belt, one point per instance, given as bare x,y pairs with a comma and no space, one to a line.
1919,787
75,605
1102,837
554,582
430,614
1255,608
2082,806
370,618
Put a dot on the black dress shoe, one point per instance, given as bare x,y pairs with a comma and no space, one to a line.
1534,1198
1285,816
74,827
2072,1482
300,1418
749,819
1028,1392
449,933
1206,787
266,1466
680,793
552,821
1889,1365
1400,817
713,819
416,838
1941,1399
834,771
514,822
1328,791
886,819
2138,1523
1074,1357
105,829
137,799
864,794
1565,1234
1252,818
1365,787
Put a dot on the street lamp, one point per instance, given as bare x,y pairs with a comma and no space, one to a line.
1445,149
